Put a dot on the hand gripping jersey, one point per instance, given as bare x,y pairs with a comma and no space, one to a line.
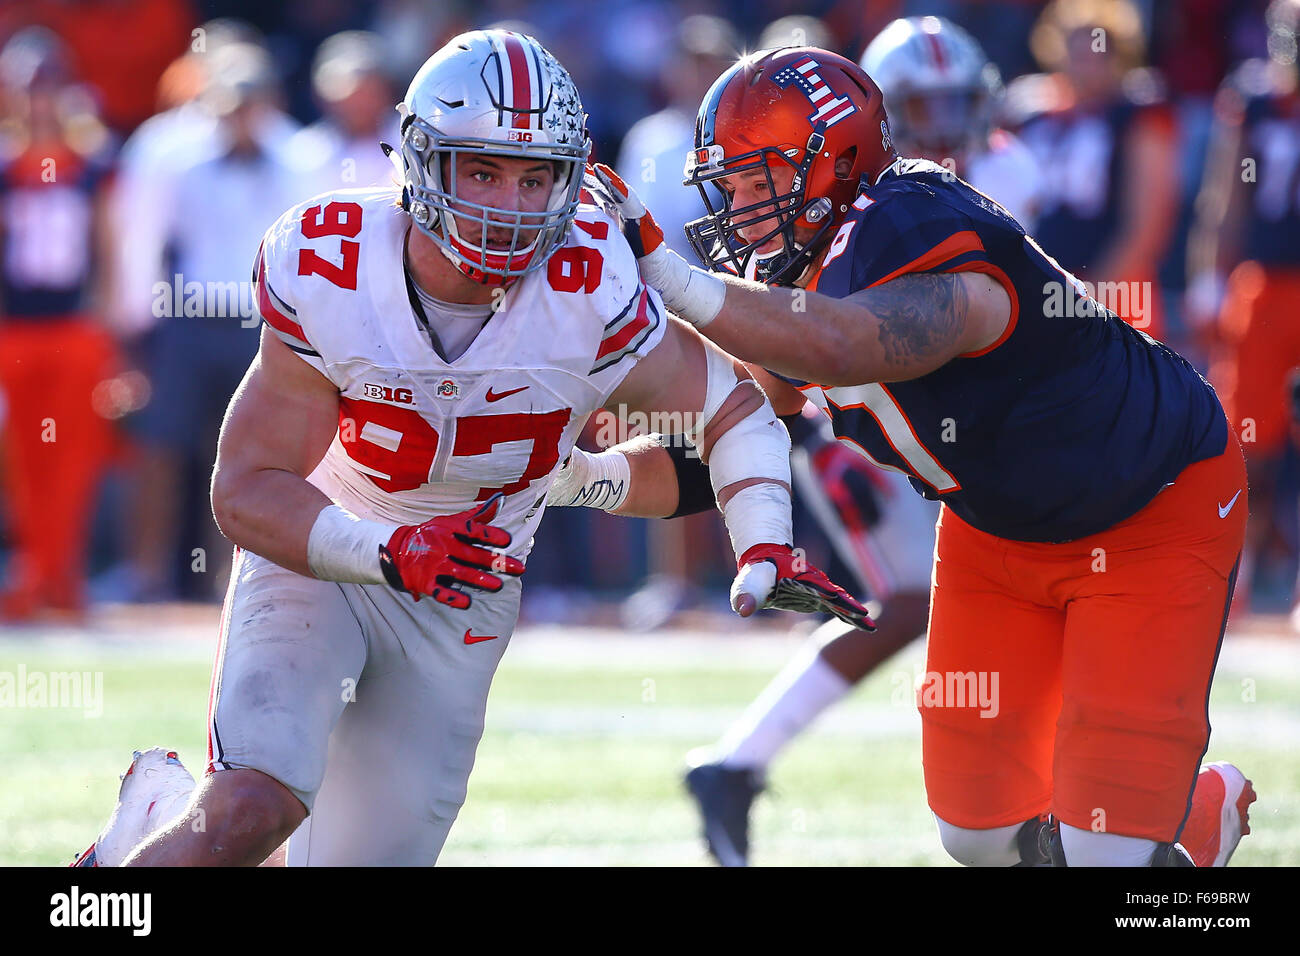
1069,423
419,436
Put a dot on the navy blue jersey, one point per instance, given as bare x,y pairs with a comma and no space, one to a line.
46,242
1270,135
1070,423
1083,155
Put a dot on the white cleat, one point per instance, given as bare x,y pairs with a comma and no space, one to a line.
155,789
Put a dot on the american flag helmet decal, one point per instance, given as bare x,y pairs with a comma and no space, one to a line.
827,107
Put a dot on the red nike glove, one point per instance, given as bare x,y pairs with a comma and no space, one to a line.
444,553
775,576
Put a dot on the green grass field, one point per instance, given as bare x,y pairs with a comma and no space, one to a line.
582,757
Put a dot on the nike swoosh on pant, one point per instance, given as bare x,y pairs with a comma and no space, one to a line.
1224,509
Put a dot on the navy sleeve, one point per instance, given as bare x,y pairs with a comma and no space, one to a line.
901,232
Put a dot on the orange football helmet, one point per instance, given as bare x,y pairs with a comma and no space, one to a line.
809,109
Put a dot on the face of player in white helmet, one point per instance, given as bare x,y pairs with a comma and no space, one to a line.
503,183
493,146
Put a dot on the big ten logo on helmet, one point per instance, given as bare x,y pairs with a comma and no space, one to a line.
520,136
382,393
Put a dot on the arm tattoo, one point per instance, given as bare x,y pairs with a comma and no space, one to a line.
921,315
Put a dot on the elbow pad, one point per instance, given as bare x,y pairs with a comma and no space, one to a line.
694,486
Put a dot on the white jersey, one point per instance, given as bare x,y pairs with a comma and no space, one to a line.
419,436
1008,173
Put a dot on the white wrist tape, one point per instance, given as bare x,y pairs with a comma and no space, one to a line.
759,514
688,291
591,481
343,547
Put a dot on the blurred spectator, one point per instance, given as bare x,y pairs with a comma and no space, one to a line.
54,158
341,150
1244,288
119,48
152,157
941,94
410,30
1001,27
1100,125
655,148
220,193
796,31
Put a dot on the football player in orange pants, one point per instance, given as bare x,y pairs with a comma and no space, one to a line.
53,352
1244,265
1092,488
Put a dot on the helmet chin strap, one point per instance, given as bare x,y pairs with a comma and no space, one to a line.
785,267
761,266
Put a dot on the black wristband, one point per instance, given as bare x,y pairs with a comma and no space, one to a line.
694,487
389,568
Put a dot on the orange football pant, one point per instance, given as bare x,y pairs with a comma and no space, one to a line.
55,449
1093,660
1261,345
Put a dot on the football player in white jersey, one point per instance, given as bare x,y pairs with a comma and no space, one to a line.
940,92
425,368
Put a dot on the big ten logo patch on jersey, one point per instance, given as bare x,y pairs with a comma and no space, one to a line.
385,393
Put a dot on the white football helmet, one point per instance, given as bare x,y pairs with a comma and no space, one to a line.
940,89
491,93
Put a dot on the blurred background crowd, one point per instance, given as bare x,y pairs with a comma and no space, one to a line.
145,145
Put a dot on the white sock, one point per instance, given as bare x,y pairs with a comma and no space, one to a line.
804,688
1086,848
992,847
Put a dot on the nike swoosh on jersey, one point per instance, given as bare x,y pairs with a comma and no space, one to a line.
478,638
491,397
1224,509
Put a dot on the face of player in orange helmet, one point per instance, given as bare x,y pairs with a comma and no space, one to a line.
782,141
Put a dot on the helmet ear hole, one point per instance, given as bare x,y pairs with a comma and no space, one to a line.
845,162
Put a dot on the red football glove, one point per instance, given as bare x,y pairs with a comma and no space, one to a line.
775,576
639,227
444,553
